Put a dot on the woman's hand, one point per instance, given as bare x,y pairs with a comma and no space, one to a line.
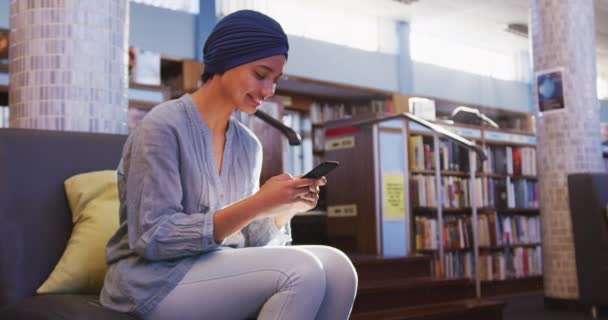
286,194
306,201
280,197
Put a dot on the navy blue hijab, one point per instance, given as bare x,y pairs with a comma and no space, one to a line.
242,37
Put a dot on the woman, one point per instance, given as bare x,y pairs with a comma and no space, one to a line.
196,233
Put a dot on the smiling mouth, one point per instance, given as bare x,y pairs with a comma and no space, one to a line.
254,101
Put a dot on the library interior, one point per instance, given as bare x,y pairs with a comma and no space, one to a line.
465,188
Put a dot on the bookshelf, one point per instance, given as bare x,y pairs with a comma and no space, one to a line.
327,105
508,235
512,225
454,249
440,183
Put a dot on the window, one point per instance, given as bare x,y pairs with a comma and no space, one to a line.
190,6
453,55
328,21
602,88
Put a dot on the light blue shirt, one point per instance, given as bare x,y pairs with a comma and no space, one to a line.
169,190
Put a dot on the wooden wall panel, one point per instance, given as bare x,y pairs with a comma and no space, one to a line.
353,183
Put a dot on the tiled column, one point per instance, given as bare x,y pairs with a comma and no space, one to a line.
563,35
68,65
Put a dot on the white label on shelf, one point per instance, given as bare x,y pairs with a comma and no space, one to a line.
465,132
348,210
395,123
510,137
418,127
4,78
340,143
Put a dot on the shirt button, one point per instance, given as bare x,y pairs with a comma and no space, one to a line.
221,196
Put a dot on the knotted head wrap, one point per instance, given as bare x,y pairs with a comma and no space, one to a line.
242,37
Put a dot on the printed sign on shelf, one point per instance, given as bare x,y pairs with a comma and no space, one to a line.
394,195
349,210
340,143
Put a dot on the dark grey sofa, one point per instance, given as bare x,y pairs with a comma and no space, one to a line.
35,220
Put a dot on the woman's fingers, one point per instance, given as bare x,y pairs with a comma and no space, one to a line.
311,196
314,189
309,200
299,192
321,181
302,182
282,177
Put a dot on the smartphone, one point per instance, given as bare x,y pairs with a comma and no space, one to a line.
321,170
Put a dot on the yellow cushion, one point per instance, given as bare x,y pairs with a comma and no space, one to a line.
93,199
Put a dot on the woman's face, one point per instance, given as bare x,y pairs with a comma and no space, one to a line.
247,85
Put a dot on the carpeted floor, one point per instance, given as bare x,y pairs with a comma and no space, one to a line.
530,307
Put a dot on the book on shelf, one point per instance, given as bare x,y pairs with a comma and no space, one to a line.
499,157
455,191
517,193
496,230
452,157
426,237
457,232
510,264
323,112
456,264
510,160
525,194
422,188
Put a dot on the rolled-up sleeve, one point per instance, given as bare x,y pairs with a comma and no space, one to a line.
264,232
159,229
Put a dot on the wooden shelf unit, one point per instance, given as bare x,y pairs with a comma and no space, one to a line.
501,139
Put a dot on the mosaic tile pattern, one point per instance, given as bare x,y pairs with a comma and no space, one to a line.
68,65
563,35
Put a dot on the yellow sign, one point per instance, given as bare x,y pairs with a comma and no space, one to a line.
394,195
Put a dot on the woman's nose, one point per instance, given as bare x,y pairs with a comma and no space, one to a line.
268,89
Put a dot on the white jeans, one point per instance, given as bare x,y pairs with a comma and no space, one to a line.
293,282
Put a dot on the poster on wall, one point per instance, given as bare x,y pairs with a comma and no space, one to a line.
4,46
550,90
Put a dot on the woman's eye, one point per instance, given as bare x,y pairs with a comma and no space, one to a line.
259,76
